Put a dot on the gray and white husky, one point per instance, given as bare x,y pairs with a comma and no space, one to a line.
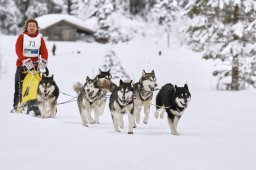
90,98
174,100
121,102
144,92
47,95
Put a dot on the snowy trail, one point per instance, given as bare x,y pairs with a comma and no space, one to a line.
217,130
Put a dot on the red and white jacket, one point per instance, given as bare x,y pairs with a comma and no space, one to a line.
20,51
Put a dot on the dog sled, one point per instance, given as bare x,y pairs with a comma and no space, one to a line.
28,92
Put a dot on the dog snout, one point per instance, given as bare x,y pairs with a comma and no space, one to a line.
45,91
88,90
156,84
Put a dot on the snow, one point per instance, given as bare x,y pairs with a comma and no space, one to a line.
50,19
217,131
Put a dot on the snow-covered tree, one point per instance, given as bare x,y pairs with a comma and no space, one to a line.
109,27
102,10
111,62
36,9
55,6
225,30
9,17
165,13
122,7
81,8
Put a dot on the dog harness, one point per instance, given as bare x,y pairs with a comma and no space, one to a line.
149,94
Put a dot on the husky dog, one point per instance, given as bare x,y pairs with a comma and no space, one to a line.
144,93
90,98
174,100
47,95
121,102
104,81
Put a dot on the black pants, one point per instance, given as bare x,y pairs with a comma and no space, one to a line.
19,77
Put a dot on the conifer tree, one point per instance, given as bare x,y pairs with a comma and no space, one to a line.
224,31
111,62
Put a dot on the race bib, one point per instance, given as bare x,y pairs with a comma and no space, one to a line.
31,45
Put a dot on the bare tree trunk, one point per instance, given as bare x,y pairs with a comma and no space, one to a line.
235,63
69,4
235,73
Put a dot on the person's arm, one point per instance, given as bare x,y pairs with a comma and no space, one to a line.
43,50
19,47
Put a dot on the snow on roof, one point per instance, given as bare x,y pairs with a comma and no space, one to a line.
50,19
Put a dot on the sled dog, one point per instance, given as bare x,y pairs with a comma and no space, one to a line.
47,95
174,100
90,98
144,93
121,102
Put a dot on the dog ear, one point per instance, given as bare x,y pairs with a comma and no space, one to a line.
131,83
52,77
43,76
175,87
153,72
186,86
109,70
88,78
121,81
143,73
100,70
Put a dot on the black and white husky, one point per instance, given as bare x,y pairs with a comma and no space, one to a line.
47,95
174,100
144,93
121,102
90,98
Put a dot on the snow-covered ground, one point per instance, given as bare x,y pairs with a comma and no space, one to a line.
217,131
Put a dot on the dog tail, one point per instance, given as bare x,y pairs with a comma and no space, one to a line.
77,87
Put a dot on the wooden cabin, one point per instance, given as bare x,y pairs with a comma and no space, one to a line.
63,27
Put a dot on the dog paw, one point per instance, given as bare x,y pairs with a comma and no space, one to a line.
145,121
95,122
91,121
130,133
85,124
134,126
117,130
175,133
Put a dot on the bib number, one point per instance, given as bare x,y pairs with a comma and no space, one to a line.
32,43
